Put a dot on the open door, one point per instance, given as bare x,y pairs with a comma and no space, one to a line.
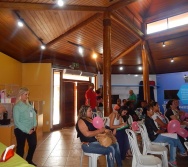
68,104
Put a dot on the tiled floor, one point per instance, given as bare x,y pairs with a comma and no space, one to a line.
63,149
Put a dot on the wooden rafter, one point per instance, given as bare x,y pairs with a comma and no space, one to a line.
77,27
120,4
40,6
125,52
131,28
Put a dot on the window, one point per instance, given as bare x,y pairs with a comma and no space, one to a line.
178,20
167,23
157,26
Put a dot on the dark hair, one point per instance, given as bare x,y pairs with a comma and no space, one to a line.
168,104
154,103
121,109
148,107
98,91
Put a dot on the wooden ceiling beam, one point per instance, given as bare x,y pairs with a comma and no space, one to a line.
129,26
166,14
120,4
150,59
125,52
40,6
77,27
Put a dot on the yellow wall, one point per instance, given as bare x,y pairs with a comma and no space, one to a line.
10,72
35,76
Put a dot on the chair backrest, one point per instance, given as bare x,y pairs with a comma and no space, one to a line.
130,120
145,139
105,119
133,145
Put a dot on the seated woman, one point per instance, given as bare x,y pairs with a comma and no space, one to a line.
87,132
116,123
158,117
155,135
173,114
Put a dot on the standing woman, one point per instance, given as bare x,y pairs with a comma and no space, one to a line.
25,125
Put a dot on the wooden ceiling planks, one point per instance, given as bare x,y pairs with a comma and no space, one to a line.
81,22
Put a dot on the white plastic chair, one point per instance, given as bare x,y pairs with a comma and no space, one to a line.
130,120
92,159
162,144
186,144
140,160
149,148
105,119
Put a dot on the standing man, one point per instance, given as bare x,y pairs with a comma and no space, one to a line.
132,97
91,99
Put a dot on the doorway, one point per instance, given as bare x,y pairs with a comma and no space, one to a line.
68,96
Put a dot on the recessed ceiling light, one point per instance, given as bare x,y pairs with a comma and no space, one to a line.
172,60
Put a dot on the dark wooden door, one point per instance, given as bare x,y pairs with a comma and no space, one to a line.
68,103
81,89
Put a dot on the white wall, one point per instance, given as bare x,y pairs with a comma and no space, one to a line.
121,84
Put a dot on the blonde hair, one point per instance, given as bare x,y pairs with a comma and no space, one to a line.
83,111
21,92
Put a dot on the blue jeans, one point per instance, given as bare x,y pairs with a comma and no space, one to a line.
111,152
123,142
174,143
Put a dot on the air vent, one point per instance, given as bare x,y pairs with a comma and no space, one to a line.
71,72
88,74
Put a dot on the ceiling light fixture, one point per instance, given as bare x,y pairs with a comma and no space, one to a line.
140,68
80,50
164,44
94,55
171,60
20,23
60,3
43,47
120,68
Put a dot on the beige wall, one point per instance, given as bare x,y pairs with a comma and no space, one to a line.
35,76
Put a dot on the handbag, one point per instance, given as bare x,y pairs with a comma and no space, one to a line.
106,139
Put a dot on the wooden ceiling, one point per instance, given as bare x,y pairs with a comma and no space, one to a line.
80,23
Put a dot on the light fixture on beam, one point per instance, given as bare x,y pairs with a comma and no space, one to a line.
164,44
20,23
171,60
43,47
80,50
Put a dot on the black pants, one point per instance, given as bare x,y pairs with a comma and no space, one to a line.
21,139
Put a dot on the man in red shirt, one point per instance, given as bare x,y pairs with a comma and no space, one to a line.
91,99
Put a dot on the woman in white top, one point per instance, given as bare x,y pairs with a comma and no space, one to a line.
117,125
158,117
